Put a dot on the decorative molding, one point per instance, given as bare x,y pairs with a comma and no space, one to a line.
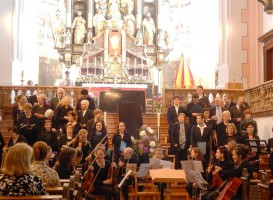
268,5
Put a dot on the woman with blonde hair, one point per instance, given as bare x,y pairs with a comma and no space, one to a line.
231,135
62,109
80,143
222,126
49,176
18,179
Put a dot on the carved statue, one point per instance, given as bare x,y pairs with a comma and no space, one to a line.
79,28
113,11
98,21
129,20
102,5
59,30
149,29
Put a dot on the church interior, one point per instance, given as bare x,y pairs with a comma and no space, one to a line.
134,61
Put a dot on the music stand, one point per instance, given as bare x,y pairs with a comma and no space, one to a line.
258,146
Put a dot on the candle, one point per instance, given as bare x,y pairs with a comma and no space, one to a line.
104,118
95,61
158,119
101,62
22,75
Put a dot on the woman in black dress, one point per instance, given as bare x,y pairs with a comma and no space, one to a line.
48,136
65,140
61,111
97,134
72,119
15,136
121,140
18,109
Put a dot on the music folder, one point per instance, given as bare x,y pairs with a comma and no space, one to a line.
122,146
203,147
155,163
195,165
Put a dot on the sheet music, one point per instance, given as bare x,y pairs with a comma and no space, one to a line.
125,177
155,163
143,170
166,164
195,165
196,177
123,145
203,147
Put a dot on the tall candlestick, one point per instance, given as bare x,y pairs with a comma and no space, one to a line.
104,118
135,68
22,75
95,61
95,70
101,62
158,119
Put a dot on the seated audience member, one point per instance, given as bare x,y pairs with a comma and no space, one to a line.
66,160
103,183
15,137
50,157
29,125
85,96
2,145
248,118
72,119
84,114
195,154
18,109
127,158
222,161
97,134
180,141
80,143
222,126
79,159
61,111
18,179
121,139
48,136
97,113
49,176
66,139
240,162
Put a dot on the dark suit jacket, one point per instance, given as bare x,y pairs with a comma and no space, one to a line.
54,102
175,135
172,115
196,135
235,113
87,116
228,106
32,99
213,110
270,145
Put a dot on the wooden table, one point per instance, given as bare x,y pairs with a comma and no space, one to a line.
168,176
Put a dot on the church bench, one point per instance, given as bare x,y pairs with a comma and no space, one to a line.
54,190
37,197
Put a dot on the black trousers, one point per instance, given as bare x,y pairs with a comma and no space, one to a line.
180,154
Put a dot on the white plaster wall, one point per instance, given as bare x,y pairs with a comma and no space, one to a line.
267,22
5,41
265,127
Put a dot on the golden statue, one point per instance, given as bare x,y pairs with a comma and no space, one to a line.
149,29
99,21
129,20
79,28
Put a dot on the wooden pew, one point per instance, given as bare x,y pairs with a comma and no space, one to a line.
41,197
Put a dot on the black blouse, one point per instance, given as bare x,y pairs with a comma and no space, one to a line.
116,141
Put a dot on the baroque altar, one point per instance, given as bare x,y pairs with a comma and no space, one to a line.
111,41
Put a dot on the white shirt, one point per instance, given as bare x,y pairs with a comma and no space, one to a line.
201,128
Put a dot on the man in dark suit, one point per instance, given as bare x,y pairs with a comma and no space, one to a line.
33,99
180,139
216,112
172,114
201,133
193,108
202,98
55,100
228,103
84,96
237,113
84,114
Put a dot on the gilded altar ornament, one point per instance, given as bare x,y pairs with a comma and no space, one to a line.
79,28
148,25
268,6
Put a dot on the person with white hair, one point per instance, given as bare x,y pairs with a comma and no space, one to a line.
84,114
55,100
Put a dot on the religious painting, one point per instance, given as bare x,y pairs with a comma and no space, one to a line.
50,71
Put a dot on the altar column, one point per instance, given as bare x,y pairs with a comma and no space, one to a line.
68,37
138,15
90,17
